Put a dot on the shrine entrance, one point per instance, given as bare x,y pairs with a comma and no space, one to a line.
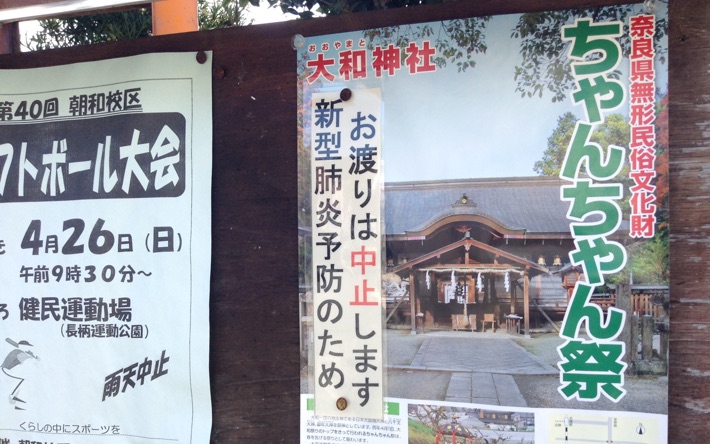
468,285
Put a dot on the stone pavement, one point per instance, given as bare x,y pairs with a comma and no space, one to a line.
484,388
481,365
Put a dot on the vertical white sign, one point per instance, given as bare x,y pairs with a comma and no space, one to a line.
346,172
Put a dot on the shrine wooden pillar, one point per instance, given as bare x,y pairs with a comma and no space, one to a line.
513,294
526,302
413,301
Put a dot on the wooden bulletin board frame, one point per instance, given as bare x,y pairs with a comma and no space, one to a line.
254,325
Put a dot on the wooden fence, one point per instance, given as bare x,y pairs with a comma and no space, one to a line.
254,346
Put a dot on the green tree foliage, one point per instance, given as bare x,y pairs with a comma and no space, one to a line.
662,165
218,14
614,131
89,29
124,25
419,433
545,67
557,143
310,8
648,260
456,41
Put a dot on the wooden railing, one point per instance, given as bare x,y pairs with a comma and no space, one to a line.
648,304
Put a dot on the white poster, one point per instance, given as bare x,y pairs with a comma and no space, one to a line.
525,263
105,175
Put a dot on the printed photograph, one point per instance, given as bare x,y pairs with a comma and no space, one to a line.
449,425
525,208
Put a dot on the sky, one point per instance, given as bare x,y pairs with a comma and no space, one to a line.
255,15
472,124
262,14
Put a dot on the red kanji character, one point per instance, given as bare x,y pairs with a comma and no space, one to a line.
386,59
642,181
353,63
642,92
320,68
642,70
642,159
642,225
643,114
643,203
643,136
419,59
643,26
642,48
365,292
363,258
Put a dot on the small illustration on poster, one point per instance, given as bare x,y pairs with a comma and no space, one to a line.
22,351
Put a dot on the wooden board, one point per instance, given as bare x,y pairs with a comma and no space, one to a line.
254,325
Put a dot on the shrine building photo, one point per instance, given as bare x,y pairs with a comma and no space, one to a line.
474,254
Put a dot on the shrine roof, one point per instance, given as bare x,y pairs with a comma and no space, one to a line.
529,205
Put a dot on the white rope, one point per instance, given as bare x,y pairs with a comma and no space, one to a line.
473,270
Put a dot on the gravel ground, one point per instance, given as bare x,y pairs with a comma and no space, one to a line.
402,346
542,345
644,393
647,395
417,385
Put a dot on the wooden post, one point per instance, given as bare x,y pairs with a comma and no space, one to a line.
647,337
633,345
512,296
665,338
9,38
623,302
174,16
465,298
413,301
526,302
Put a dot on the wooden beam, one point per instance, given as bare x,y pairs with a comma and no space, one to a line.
7,4
471,267
10,38
467,242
